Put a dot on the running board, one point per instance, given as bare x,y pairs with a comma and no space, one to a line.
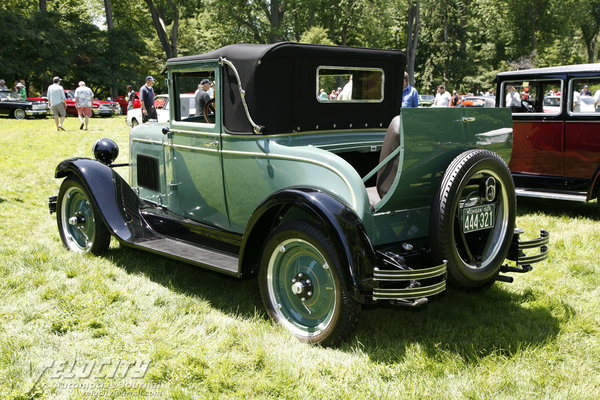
192,254
555,195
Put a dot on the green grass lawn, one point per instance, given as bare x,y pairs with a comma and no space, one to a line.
132,325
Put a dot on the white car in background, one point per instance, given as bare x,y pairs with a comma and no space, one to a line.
161,103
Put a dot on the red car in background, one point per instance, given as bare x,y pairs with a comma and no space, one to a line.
99,107
124,103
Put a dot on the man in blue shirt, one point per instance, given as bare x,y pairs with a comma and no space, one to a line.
410,97
147,100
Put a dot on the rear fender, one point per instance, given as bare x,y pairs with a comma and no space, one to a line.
114,198
336,219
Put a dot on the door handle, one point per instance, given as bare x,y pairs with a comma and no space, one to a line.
468,119
212,144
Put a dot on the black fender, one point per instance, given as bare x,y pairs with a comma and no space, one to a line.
336,219
114,198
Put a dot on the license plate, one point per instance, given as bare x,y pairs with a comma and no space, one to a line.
478,218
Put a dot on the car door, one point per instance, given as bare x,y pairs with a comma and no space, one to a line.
582,128
194,177
538,131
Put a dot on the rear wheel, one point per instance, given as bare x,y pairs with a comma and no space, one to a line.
19,113
473,218
79,223
302,286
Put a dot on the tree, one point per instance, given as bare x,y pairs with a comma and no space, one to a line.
412,37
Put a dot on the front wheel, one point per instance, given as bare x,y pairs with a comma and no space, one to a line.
302,285
79,223
19,113
473,218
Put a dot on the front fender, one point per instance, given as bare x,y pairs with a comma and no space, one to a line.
337,220
117,202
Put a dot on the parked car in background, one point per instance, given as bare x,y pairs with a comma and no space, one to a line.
124,103
471,101
556,151
330,204
426,100
13,105
101,108
161,103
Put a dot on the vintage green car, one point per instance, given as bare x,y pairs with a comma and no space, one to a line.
331,203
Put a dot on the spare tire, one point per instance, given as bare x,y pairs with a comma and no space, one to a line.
473,218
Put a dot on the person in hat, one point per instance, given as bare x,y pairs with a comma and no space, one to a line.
58,102
202,97
147,100
83,103
20,89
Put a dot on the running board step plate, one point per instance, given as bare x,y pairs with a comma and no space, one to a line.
555,195
192,254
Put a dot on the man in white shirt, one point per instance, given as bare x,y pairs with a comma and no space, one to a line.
513,98
83,103
442,98
57,100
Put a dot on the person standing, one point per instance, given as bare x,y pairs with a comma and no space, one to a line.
57,101
3,85
131,96
454,98
410,96
202,97
83,103
20,89
513,98
147,100
442,98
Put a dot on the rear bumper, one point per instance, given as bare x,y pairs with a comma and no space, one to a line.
520,253
36,112
398,282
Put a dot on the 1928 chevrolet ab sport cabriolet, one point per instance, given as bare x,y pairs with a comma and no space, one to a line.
314,196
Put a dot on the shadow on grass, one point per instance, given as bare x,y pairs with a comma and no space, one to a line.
471,325
557,208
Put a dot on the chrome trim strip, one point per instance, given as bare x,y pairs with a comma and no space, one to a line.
411,274
192,148
407,294
146,141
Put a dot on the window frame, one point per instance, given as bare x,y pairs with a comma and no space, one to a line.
502,100
347,68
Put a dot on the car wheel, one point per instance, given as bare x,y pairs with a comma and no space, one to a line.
79,223
302,286
473,218
19,113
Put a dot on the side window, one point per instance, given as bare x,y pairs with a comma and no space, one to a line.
584,95
349,84
194,96
532,96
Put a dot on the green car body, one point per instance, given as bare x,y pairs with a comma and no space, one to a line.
331,202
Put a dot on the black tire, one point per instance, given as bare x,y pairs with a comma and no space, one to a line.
474,258
19,113
79,222
302,285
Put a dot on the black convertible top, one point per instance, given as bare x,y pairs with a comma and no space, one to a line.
280,84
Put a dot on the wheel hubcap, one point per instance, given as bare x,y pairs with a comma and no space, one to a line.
77,220
301,287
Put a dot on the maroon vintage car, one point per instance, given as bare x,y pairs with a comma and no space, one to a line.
99,107
124,103
556,123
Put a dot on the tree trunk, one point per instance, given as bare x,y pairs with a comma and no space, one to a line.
274,13
109,17
412,38
110,26
43,6
161,30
